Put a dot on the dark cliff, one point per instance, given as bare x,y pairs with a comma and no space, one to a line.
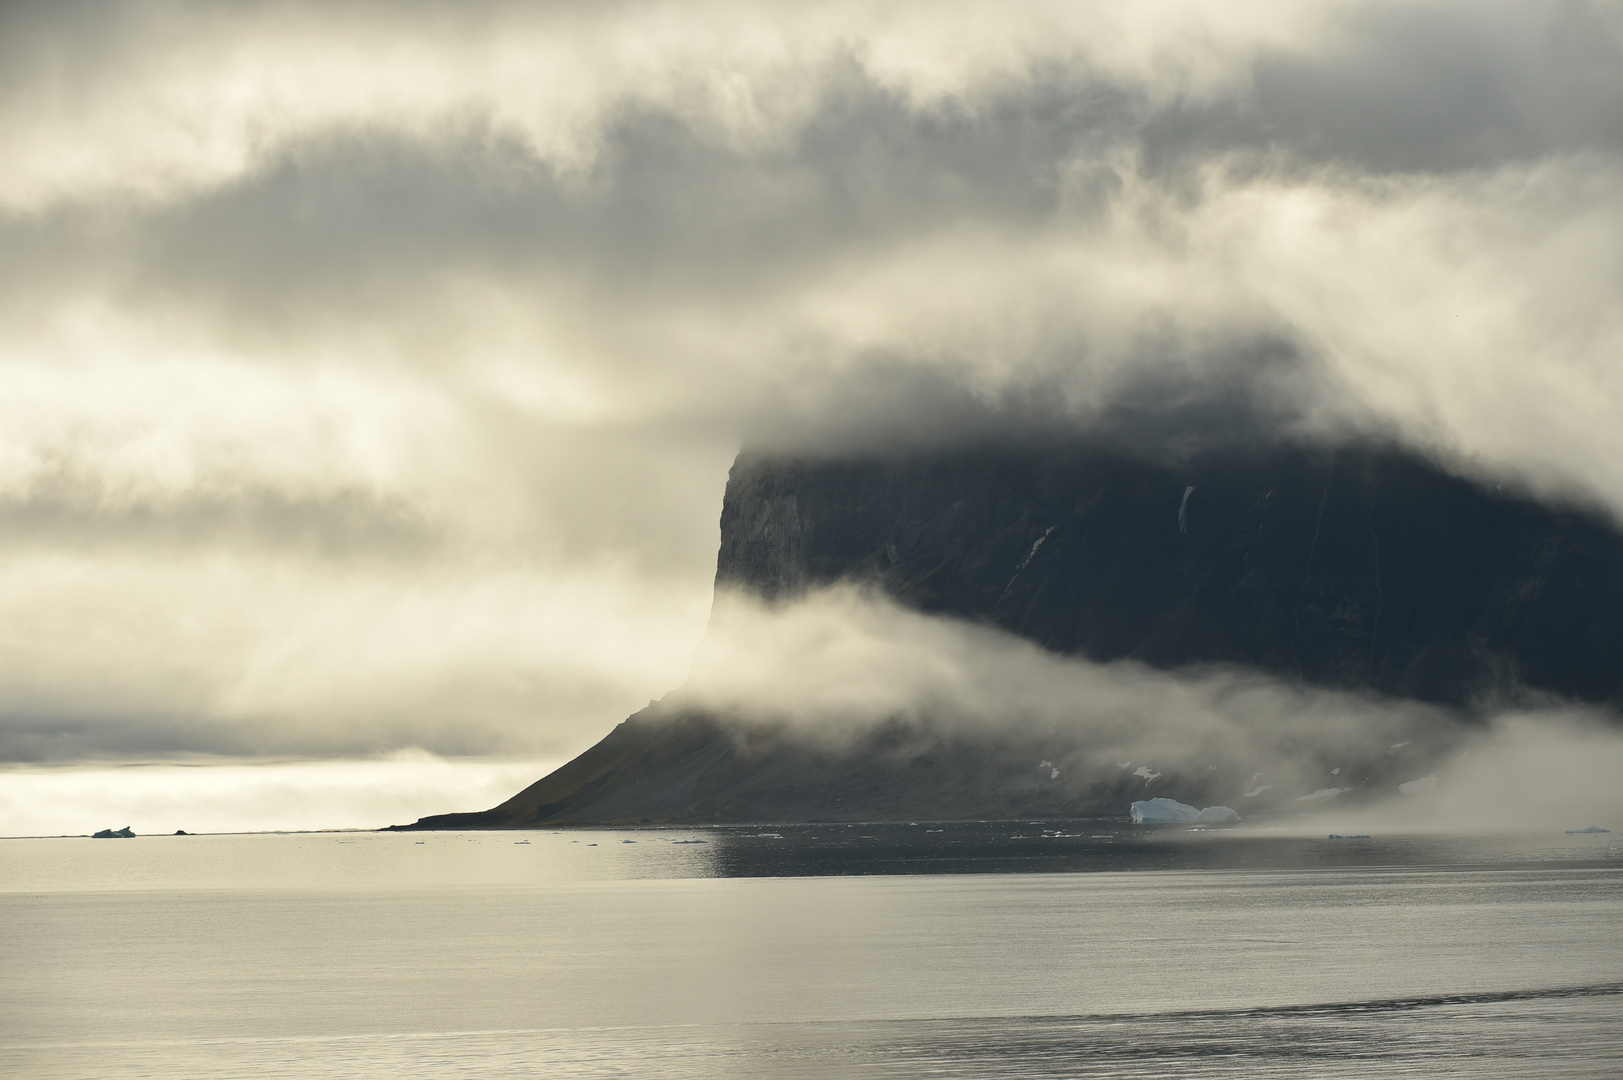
1364,569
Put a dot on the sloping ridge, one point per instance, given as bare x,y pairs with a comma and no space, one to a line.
1360,568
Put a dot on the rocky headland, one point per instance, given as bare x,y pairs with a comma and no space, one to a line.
1364,569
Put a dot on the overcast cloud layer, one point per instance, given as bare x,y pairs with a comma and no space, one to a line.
369,375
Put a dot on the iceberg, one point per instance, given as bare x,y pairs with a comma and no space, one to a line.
114,834
1591,829
1156,811
1163,811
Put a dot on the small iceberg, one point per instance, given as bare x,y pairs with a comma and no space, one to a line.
1165,811
114,834
1570,832
1350,836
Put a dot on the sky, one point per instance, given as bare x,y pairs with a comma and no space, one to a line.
370,373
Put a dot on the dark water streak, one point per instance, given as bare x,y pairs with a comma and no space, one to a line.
1087,845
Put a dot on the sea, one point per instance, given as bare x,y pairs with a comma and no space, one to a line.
983,949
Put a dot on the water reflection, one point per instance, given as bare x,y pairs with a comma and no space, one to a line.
1084,845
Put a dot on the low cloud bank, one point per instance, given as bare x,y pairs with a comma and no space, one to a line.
842,662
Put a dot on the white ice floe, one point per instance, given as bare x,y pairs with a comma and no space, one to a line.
1183,509
1322,793
1258,790
1162,811
1146,772
1124,764
1416,787
1397,746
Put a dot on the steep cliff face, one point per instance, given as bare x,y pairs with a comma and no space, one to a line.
1364,569
1360,568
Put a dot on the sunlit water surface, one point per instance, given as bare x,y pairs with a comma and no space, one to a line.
1050,949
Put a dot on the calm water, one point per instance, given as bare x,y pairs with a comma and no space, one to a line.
1077,949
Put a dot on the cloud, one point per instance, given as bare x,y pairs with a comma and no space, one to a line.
1528,772
845,659
843,663
158,103
144,655
369,379
238,796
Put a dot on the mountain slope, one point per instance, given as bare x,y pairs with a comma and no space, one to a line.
1362,569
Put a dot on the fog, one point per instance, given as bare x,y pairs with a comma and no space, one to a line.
369,376
836,665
